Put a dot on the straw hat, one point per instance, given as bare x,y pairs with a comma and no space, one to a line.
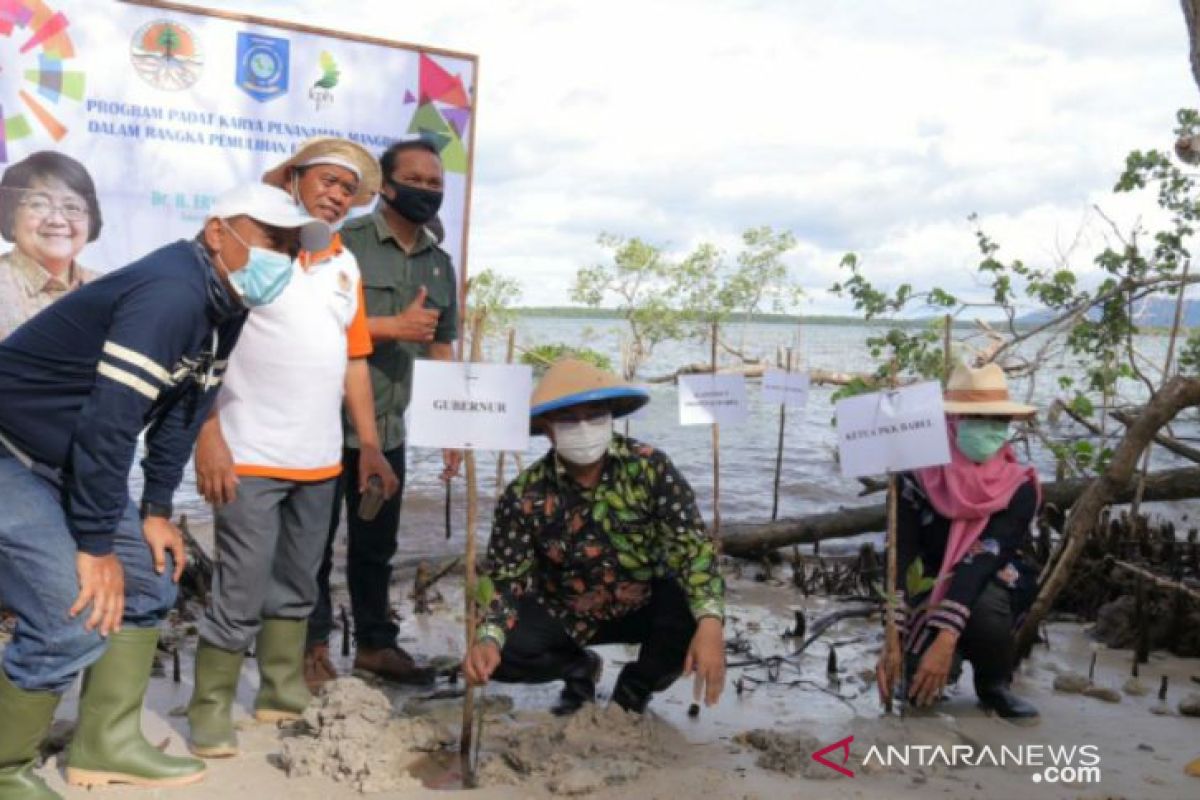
330,150
982,391
571,382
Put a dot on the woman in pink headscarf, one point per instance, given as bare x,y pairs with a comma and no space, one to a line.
962,525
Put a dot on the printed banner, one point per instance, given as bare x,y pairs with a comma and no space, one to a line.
468,406
892,431
708,399
166,109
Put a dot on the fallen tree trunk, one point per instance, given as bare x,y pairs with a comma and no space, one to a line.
753,540
1114,483
818,377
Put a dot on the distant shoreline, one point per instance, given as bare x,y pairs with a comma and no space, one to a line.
574,312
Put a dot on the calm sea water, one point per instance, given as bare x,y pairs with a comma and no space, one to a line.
810,478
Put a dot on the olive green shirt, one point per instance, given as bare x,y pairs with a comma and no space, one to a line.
391,279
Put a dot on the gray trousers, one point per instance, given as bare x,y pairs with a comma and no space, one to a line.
269,543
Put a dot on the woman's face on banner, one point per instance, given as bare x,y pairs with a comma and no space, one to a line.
51,224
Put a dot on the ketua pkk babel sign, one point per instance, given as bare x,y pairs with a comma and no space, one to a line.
470,406
705,399
892,431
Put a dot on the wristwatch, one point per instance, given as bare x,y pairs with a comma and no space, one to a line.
149,508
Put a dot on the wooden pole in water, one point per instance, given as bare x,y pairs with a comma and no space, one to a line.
779,449
716,441
890,630
1175,325
464,749
947,358
508,359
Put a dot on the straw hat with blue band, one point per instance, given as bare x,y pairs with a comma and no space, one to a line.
572,382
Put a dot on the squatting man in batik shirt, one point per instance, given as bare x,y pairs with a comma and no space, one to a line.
599,542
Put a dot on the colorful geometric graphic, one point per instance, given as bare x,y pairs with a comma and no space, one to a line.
40,29
443,112
166,55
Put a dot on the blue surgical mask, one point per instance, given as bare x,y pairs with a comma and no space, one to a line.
980,439
264,277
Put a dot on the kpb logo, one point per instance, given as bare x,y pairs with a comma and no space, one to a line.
844,746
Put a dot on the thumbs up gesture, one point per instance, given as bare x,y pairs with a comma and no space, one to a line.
416,323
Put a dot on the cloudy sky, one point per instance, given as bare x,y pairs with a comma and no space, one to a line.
873,126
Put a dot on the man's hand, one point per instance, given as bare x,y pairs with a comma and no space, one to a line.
101,585
934,669
415,323
162,536
451,461
481,661
371,462
706,658
215,478
887,671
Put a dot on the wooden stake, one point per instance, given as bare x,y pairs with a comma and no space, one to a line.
464,749
716,441
779,449
947,358
890,630
1167,362
508,359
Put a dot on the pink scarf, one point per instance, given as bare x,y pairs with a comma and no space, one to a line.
968,494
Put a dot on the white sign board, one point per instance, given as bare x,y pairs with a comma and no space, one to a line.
469,406
785,388
708,399
892,431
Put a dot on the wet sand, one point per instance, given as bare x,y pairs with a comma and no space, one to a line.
1142,754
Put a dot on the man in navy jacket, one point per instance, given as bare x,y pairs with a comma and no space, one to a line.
88,572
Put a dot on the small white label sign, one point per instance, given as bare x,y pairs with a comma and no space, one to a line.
892,431
469,406
708,399
785,388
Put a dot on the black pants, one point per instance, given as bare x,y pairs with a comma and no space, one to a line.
987,641
539,650
368,560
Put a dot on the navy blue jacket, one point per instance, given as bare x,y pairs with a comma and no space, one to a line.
142,348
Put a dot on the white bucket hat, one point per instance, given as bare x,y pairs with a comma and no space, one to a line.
274,207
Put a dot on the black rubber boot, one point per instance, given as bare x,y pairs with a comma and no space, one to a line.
999,698
579,684
631,693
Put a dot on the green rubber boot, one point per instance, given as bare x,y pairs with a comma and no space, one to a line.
210,711
26,721
282,693
108,745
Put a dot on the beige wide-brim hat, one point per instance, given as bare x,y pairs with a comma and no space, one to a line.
982,391
331,150
572,382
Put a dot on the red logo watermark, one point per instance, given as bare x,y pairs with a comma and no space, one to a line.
844,746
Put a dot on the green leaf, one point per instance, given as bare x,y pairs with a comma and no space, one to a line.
485,590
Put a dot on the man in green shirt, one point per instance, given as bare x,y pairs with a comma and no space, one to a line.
411,296
599,542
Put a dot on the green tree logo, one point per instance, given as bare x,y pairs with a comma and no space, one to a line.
168,40
329,72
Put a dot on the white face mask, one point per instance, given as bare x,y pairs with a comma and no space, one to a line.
582,443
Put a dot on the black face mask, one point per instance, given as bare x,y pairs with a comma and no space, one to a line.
414,204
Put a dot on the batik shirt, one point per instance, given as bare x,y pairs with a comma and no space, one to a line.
26,287
588,555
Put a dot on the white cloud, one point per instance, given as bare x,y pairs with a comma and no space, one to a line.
868,126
